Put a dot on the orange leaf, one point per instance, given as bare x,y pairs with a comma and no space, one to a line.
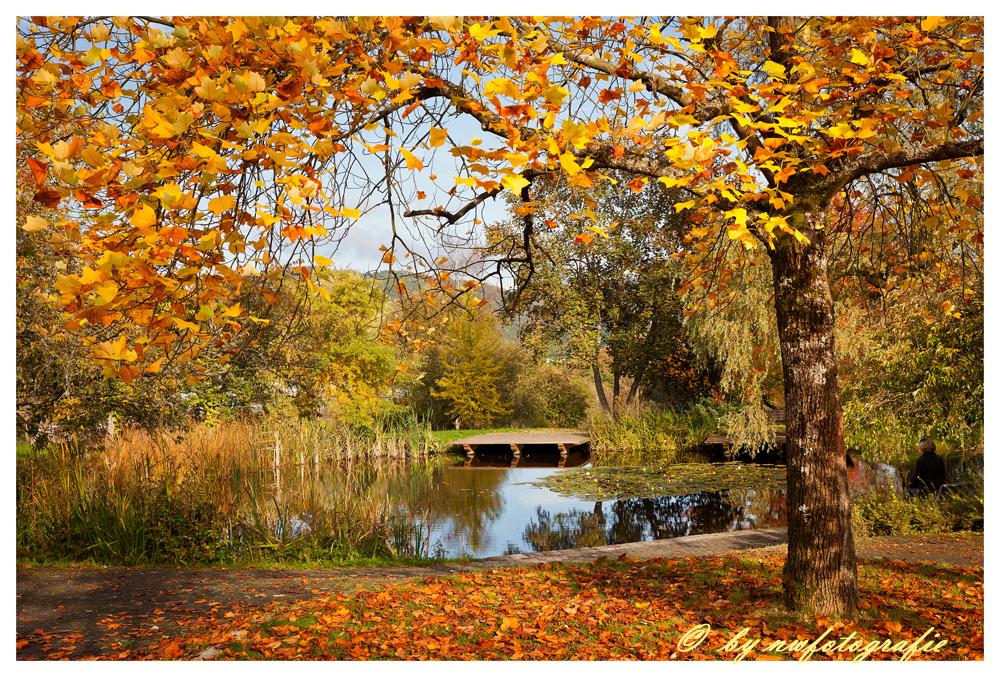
38,169
221,204
609,95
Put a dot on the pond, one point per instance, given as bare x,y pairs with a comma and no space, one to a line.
483,507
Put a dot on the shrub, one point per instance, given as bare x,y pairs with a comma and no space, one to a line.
884,513
564,395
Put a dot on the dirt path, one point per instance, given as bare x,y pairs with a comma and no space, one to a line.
75,613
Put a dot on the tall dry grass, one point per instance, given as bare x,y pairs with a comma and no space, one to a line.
234,492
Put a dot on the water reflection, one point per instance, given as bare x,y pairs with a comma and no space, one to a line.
485,511
644,519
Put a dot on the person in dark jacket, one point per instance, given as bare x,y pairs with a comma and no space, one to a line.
928,475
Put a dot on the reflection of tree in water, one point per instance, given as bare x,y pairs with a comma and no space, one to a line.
640,519
468,501
565,530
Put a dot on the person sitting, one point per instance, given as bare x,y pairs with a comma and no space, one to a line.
928,474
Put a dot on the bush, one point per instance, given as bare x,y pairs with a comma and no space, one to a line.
884,513
563,396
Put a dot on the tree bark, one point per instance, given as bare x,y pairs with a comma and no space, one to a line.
820,573
599,386
636,379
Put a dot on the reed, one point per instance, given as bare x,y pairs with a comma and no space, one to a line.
236,492
641,434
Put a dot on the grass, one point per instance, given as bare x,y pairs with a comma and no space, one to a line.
643,434
621,610
272,491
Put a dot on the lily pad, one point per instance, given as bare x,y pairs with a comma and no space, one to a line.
617,483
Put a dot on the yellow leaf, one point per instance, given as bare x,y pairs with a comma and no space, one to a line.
740,215
90,276
221,204
254,82
184,324
515,182
930,23
155,367
438,136
411,160
143,217
774,69
33,224
67,285
322,260
107,292
178,58
351,213
555,94
859,57
446,23
681,206
569,164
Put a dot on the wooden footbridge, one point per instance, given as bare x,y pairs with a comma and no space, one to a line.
776,418
565,440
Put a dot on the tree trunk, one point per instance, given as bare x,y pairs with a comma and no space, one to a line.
820,573
617,391
599,385
635,381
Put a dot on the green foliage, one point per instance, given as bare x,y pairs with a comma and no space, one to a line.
565,397
610,290
926,381
645,433
317,350
882,512
739,339
530,395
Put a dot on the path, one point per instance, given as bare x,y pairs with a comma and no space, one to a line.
73,612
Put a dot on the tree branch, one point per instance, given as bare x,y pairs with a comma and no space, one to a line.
451,217
872,164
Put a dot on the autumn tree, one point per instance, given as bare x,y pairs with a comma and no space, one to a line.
190,147
611,287
469,384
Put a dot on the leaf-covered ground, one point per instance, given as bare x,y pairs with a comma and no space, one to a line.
618,483
636,610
